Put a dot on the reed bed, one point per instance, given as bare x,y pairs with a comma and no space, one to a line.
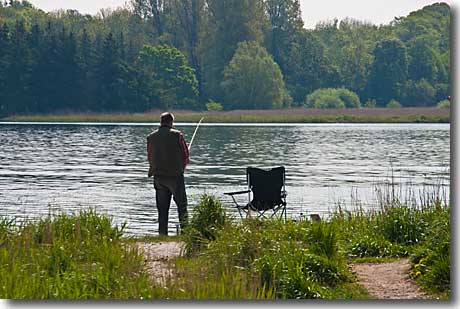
292,115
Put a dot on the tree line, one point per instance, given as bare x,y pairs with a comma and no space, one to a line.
231,54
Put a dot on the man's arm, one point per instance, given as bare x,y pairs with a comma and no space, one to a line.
184,149
149,156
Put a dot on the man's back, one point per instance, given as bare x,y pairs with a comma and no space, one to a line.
165,153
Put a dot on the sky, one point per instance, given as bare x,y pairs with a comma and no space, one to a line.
375,11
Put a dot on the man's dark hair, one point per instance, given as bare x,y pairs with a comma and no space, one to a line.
166,118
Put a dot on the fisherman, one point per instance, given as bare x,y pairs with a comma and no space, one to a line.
168,156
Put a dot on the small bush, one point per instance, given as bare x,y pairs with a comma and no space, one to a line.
349,98
332,98
393,104
371,103
213,106
208,218
443,104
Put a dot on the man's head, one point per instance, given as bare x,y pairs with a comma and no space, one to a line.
167,119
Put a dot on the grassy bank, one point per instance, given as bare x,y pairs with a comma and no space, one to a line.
294,115
84,256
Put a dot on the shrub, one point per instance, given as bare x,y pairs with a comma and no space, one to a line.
443,104
371,103
208,218
332,98
349,98
393,104
213,106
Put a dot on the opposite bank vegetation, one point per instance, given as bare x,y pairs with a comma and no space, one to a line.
86,256
292,115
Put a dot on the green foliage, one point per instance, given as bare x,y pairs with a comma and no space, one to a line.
393,104
252,79
213,106
67,61
375,246
332,98
371,103
208,218
431,259
70,257
170,77
420,93
286,257
388,71
443,104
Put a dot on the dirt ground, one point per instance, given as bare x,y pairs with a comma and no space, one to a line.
388,280
158,258
381,280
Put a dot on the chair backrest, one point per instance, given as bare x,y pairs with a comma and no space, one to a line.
266,186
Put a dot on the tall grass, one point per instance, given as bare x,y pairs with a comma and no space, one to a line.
418,228
85,256
69,257
278,259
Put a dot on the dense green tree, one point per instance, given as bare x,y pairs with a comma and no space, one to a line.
16,80
252,80
419,93
424,62
229,22
5,59
389,70
285,23
171,80
308,68
190,15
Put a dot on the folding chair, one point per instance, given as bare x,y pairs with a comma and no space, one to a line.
268,192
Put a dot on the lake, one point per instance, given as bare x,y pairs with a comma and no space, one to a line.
48,168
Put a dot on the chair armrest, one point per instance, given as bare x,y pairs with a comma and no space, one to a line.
237,192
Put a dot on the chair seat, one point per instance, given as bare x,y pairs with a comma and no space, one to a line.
268,192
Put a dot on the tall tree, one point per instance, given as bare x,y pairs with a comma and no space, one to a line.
190,14
152,10
5,60
17,83
229,22
252,80
389,71
285,23
171,80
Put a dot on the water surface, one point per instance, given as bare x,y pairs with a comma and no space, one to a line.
52,167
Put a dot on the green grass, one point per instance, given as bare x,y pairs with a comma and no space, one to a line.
86,256
69,257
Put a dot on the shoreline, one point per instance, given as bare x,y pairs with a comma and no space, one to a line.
291,115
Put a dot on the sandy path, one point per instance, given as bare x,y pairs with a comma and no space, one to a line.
158,258
388,280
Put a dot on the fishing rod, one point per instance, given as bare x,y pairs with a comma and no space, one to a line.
194,134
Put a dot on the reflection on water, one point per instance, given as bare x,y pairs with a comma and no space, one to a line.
45,167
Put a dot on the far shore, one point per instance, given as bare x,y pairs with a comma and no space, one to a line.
291,115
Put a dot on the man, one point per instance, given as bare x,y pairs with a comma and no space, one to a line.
168,155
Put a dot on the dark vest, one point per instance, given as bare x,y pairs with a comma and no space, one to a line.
166,154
